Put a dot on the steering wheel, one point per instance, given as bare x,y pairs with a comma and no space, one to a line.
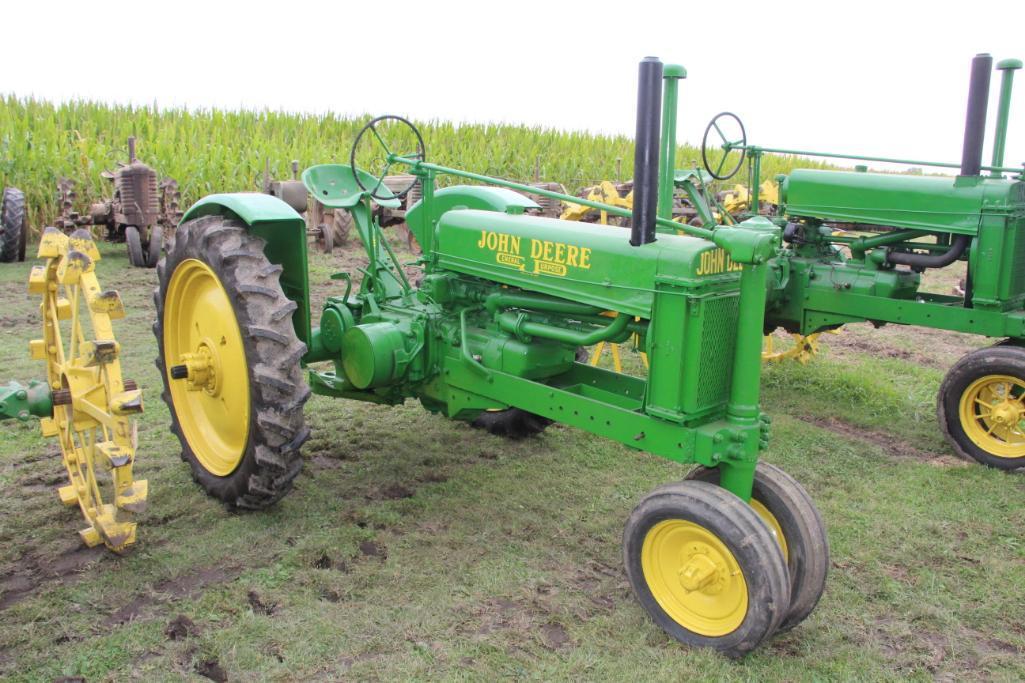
729,146
402,135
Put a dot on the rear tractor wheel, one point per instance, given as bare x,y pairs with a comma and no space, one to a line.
12,226
229,358
706,567
511,423
796,525
981,406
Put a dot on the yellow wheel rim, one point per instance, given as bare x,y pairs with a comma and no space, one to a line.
774,527
201,331
992,413
694,577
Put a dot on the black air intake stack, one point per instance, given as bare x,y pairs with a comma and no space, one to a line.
975,120
646,152
971,165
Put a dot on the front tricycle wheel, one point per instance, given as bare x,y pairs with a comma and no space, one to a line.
706,567
229,358
795,523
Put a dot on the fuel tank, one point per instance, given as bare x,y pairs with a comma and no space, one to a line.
933,203
592,264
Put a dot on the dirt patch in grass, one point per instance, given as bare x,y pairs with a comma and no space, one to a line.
182,587
884,441
924,347
259,606
880,348
323,462
373,549
554,636
392,492
212,669
180,628
32,572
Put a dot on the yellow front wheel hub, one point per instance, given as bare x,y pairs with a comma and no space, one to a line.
202,334
694,577
992,413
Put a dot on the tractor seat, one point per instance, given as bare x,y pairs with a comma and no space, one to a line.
334,186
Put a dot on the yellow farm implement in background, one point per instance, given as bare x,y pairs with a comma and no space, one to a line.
733,202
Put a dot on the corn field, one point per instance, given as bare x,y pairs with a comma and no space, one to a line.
210,151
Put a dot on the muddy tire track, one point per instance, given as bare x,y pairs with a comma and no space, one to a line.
33,572
888,443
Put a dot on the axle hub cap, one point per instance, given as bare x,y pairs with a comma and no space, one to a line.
694,577
992,412
202,334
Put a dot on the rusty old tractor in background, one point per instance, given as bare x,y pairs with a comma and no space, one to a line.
141,210
330,228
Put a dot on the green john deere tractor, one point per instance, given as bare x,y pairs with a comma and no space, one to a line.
824,278
724,558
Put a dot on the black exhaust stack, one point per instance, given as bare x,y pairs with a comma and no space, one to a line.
646,152
975,121
971,165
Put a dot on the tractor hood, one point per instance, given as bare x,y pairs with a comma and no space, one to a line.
932,203
587,263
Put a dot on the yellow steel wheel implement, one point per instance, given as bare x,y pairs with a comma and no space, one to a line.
202,334
94,405
694,577
992,414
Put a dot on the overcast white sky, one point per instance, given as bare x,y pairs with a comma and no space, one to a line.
880,78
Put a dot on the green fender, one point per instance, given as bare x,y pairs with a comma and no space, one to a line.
464,197
284,232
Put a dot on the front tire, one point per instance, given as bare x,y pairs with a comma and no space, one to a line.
706,568
798,528
981,406
155,246
133,241
230,363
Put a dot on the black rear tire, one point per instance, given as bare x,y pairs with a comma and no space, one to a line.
12,226
512,423
277,390
803,531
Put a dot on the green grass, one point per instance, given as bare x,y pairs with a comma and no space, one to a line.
415,547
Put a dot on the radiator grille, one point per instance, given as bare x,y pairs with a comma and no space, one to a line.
718,340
